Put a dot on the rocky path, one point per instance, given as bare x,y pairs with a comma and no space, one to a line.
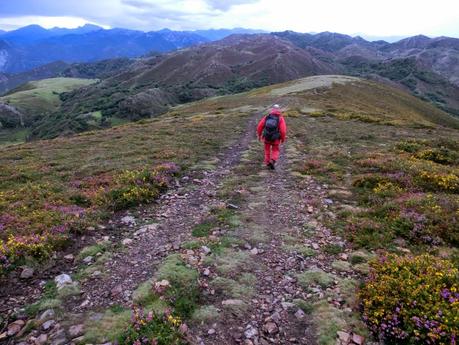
278,265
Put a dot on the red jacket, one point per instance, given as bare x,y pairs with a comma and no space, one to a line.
282,126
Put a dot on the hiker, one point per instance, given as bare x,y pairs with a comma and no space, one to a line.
272,130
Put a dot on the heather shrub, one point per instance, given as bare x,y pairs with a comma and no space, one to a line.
151,328
412,300
134,187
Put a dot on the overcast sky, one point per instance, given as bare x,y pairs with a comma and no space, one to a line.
377,18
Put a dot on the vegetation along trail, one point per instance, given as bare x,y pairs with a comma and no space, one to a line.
235,253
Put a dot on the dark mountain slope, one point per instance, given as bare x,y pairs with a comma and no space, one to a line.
149,86
428,67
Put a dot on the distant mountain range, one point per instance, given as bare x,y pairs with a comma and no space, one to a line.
133,88
33,46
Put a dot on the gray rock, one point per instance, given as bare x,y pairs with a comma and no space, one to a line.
88,259
287,305
76,331
15,327
211,331
47,314
48,324
300,314
205,249
58,338
62,280
69,257
128,220
42,339
127,242
232,302
250,332
270,328
27,273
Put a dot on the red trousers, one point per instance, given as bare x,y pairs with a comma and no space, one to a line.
271,152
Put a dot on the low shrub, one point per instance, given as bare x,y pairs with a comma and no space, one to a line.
151,328
134,187
412,300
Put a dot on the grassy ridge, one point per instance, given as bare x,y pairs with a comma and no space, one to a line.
42,96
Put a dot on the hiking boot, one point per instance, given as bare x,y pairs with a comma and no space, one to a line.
272,164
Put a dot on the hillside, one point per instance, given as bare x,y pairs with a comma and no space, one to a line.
425,66
27,104
235,252
95,70
149,86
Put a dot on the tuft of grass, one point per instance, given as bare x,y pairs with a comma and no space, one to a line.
230,261
92,250
206,313
341,266
184,290
315,277
305,306
203,230
300,249
110,326
332,249
327,320
232,288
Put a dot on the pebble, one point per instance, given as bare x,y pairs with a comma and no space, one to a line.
88,259
232,302
48,324
254,251
47,314
69,257
62,280
206,272
76,331
15,327
270,328
300,314
41,340
358,339
205,249
128,220
27,273
211,331
127,242
250,332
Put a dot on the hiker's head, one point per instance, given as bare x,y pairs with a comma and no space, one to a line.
275,109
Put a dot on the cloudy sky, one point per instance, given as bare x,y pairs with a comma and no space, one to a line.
377,18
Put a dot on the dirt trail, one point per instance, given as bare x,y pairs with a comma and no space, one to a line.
273,218
174,217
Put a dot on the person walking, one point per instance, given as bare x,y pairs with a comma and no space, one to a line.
272,130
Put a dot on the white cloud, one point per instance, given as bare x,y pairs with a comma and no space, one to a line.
391,17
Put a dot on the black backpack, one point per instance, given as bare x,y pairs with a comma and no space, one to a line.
271,131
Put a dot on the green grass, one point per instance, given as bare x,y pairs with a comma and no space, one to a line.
42,96
13,136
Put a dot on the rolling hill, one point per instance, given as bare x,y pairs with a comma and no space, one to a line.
27,104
